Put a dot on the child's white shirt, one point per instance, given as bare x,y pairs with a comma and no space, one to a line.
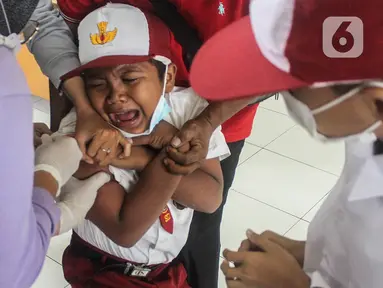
157,245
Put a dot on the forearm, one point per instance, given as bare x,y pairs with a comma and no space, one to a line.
74,88
140,208
46,181
199,191
218,112
138,159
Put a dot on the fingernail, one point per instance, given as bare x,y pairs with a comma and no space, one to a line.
130,141
176,142
249,233
121,156
166,162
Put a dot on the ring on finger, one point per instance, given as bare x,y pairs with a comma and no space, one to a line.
106,150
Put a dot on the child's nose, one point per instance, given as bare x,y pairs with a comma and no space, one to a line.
118,94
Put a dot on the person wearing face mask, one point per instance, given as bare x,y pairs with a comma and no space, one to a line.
28,213
330,73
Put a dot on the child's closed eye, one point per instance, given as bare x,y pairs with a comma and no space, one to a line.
130,80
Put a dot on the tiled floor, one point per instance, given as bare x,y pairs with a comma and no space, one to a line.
282,179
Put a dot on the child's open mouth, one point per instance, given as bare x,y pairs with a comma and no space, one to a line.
127,119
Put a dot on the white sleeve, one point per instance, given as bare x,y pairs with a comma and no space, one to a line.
317,281
217,146
187,105
67,124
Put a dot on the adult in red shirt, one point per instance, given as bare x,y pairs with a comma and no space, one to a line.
201,253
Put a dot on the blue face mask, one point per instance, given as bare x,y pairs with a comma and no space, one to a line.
161,111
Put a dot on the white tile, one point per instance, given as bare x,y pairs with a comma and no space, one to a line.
36,98
39,116
267,126
297,144
51,276
42,105
247,151
277,105
298,231
310,215
283,183
221,279
242,213
58,245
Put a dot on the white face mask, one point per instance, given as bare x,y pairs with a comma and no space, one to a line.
12,41
302,114
161,111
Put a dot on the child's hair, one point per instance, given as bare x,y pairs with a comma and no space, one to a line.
161,68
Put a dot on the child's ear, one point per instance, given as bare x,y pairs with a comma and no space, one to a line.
171,78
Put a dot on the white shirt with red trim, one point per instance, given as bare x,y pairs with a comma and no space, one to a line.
344,243
157,245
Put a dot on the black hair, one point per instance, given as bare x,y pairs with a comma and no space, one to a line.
161,68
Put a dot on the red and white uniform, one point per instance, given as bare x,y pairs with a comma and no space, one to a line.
157,245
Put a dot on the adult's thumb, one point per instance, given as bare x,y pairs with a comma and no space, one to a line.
183,136
96,181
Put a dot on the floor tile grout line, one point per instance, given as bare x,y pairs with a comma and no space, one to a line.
48,113
279,136
309,165
253,144
54,260
281,210
288,230
314,207
271,110
250,156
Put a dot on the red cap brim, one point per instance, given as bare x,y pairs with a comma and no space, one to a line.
106,61
230,65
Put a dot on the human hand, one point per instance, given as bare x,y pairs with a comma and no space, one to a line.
189,147
272,267
76,199
104,139
60,157
39,129
295,248
160,137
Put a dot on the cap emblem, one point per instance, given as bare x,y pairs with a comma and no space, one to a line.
103,36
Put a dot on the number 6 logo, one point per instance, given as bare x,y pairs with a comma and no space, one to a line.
342,37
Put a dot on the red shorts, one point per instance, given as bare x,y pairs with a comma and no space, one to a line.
81,270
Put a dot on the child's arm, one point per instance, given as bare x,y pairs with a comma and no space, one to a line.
139,158
202,189
125,217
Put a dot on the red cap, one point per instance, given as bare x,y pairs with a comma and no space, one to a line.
286,44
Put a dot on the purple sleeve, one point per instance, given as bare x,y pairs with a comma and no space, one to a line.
27,216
